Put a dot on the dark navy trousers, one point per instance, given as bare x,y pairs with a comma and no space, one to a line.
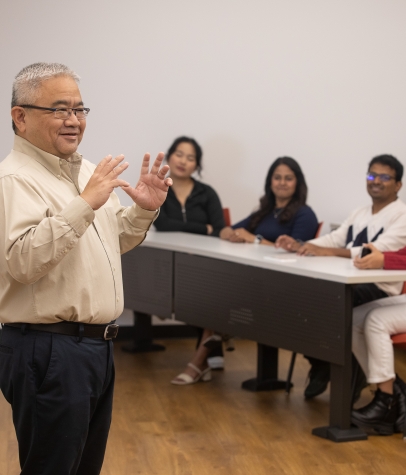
61,393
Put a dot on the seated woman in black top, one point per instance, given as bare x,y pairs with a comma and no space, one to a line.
282,210
191,206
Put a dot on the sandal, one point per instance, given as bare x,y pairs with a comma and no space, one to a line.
213,341
183,378
216,340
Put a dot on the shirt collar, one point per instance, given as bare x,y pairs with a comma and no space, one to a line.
49,161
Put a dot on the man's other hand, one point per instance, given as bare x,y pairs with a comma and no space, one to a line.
152,187
103,181
375,260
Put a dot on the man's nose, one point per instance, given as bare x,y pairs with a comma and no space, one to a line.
72,120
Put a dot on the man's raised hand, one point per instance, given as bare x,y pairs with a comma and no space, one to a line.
103,181
152,187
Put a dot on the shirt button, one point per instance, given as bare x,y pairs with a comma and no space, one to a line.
118,299
58,176
86,224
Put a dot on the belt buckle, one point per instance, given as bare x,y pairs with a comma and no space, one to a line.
110,331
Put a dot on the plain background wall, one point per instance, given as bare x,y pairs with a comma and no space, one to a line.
320,80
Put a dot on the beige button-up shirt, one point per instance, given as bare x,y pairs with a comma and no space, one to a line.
59,259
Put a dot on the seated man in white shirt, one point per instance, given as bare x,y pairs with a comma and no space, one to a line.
383,223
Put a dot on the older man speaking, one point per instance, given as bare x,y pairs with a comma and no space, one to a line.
62,230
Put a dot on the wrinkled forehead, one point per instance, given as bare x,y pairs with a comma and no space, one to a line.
60,91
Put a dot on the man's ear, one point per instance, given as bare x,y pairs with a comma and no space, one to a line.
398,186
18,116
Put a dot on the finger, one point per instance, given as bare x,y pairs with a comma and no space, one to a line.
157,163
168,181
120,183
103,163
145,164
113,163
163,171
119,170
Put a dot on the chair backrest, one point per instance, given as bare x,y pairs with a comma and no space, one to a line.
319,229
227,218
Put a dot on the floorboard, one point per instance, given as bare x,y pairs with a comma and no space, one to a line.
218,428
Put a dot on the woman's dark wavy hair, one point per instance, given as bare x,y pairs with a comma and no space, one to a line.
196,146
268,202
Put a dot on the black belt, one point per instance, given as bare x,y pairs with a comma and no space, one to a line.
72,329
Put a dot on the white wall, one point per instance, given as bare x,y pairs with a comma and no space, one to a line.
321,80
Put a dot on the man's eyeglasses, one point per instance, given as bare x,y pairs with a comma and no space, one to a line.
382,176
80,113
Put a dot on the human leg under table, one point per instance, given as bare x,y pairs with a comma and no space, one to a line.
373,326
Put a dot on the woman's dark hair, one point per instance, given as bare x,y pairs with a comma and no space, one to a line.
196,146
268,201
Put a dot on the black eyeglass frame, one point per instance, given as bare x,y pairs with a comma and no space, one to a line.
85,110
382,176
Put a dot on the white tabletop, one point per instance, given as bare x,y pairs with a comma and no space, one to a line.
336,269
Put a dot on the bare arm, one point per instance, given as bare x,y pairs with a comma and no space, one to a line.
308,249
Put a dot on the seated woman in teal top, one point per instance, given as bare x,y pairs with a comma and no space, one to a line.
282,210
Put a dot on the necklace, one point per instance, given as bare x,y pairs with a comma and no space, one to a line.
277,212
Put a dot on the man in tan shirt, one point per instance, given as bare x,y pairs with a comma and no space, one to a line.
62,231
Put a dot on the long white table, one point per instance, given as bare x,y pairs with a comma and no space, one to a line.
278,299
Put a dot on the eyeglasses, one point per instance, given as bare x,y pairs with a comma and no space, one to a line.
382,176
65,113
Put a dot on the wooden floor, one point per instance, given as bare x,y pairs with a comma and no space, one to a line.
217,428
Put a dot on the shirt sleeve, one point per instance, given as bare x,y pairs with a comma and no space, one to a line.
337,238
395,260
133,223
242,224
305,224
35,240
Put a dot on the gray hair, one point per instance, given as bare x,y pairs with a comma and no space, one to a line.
28,81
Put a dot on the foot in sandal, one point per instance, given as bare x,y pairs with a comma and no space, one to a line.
192,375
